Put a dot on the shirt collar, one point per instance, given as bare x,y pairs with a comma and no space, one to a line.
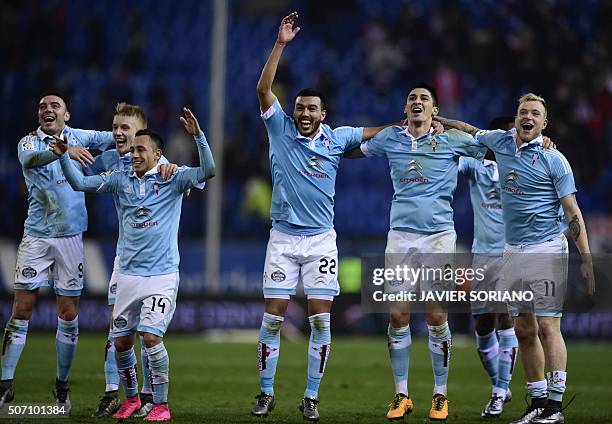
43,135
151,171
312,140
536,141
410,136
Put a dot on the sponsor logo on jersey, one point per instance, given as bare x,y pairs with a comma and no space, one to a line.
278,276
143,213
28,272
120,322
414,166
512,178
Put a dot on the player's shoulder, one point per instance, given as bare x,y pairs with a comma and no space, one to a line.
29,141
555,158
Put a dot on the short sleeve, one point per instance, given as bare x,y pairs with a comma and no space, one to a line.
275,119
376,145
349,137
562,175
491,138
466,166
186,178
93,139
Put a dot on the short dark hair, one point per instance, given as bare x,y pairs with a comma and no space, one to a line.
501,123
56,94
153,136
312,92
428,87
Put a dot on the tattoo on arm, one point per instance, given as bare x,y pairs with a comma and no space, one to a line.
458,125
574,226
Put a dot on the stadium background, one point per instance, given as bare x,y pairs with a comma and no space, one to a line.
480,55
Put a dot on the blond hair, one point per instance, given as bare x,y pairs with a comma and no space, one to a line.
126,109
531,97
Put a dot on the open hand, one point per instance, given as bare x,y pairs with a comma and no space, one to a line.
586,269
547,143
167,170
58,145
190,122
286,32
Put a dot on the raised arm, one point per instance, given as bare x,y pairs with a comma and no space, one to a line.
577,228
458,125
207,163
286,33
74,176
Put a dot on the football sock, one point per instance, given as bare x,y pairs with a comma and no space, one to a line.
508,354
268,351
66,339
318,352
111,374
15,335
488,350
556,385
399,342
126,364
159,364
440,349
146,373
537,389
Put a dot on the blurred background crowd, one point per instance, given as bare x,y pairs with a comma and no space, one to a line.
480,56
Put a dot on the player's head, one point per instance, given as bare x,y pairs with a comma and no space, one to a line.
146,150
530,117
52,113
127,121
309,111
421,103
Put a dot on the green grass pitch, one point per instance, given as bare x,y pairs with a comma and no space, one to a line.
217,382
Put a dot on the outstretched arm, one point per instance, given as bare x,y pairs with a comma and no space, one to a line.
577,228
458,125
286,33
74,176
207,163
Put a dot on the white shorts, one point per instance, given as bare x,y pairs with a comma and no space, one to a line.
56,262
313,260
416,250
112,285
144,304
539,268
493,281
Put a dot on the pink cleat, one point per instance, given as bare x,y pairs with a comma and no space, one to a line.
128,407
160,412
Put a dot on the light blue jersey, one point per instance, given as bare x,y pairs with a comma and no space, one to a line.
54,208
111,160
304,172
150,211
485,194
532,180
424,175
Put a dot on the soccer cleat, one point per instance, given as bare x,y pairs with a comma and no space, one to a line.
159,412
552,414
108,405
61,396
128,407
146,400
308,406
401,406
508,397
494,407
439,408
529,415
264,405
6,392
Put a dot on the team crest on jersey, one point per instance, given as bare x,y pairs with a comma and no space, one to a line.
156,188
27,145
534,157
434,144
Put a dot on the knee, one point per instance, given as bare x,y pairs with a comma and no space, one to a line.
122,344
151,340
399,319
485,324
525,331
549,328
436,318
67,311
